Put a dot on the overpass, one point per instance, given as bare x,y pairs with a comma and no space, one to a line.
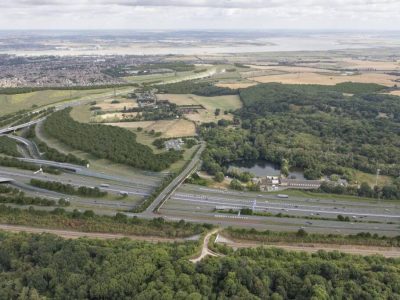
6,180
176,182
31,146
21,126
65,166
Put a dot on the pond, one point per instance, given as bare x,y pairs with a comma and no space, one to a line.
262,168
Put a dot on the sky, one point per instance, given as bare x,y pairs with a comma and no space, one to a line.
200,14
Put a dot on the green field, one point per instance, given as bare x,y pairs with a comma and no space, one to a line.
13,103
168,77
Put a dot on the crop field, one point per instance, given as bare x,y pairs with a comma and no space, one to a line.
168,128
396,93
236,85
370,64
13,103
323,79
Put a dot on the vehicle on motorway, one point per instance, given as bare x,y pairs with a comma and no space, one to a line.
104,185
282,196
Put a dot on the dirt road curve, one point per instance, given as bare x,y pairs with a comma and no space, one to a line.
76,234
204,250
311,248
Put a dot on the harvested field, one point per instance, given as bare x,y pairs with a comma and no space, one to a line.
291,69
376,65
236,85
396,93
113,117
168,128
315,78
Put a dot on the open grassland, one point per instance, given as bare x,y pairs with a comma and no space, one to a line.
13,103
224,103
210,103
360,177
199,72
123,103
168,128
81,113
324,79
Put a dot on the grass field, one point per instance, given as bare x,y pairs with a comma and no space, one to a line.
123,103
371,178
168,128
307,194
173,77
224,103
13,103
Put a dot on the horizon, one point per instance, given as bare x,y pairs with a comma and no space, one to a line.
200,15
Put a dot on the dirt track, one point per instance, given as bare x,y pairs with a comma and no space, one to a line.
311,248
76,234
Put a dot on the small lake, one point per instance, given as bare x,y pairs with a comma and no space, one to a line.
262,168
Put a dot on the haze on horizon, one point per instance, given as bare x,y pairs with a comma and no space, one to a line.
200,14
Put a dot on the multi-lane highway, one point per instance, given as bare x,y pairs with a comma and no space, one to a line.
315,214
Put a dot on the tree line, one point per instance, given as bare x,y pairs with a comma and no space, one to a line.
195,87
88,221
15,163
68,188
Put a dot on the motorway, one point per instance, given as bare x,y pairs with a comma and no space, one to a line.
198,204
314,214
135,193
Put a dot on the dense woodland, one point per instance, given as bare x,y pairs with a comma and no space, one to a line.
316,128
113,143
35,266
8,146
195,87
